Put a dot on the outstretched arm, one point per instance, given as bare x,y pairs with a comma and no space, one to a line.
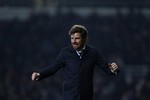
50,70
110,68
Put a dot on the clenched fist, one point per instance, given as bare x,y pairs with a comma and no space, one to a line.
113,67
35,76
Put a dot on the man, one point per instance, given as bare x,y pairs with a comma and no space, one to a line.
78,62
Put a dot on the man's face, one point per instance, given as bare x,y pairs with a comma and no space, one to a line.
77,41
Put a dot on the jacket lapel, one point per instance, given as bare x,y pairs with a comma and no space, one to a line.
73,52
86,52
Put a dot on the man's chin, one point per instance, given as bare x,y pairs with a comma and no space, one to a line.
75,47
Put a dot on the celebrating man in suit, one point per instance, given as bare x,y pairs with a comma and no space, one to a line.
78,62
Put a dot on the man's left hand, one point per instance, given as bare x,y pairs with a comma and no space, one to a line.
113,67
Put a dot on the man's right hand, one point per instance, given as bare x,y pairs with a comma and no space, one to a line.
35,76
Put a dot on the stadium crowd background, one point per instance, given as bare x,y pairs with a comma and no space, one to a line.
33,43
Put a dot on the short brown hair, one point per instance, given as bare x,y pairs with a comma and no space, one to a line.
79,29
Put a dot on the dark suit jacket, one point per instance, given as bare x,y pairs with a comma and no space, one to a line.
78,73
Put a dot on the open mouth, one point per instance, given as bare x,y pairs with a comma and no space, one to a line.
75,45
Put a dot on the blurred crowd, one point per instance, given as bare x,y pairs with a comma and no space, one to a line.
91,3
32,44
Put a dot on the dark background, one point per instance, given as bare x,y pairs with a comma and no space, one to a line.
32,32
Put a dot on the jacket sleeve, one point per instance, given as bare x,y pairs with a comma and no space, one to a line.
54,67
103,64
